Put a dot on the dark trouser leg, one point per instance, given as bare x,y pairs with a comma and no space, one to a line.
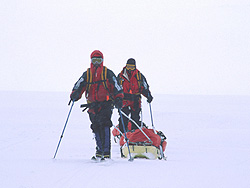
98,144
126,110
107,143
135,115
101,123
103,143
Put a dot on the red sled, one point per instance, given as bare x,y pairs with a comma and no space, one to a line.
142,143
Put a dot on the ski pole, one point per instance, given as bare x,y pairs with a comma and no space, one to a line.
63,130
152,118
125,134
161,150
141,119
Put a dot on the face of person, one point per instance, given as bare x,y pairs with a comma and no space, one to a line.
130,68
96,60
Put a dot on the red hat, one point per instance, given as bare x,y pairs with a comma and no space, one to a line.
96,53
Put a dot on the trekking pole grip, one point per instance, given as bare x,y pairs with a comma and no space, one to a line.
69,102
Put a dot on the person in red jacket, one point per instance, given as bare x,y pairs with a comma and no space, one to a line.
101,89
134,84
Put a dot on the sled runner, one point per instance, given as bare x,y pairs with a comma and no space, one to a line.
148,152
143,143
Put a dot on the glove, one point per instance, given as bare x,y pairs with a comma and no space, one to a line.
149,98
118,102
74,96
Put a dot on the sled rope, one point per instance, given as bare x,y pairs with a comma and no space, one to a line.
137,126
118,130
125,135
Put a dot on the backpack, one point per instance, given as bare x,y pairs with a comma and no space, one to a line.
138,77
103,79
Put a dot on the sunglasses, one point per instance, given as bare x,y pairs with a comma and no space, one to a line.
96,60
130,67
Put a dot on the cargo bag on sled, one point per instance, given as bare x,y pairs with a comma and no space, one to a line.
143,143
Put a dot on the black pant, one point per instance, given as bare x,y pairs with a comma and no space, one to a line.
135,115
101,123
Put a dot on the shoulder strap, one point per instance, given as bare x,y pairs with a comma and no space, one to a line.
104,77
120,79
138,76
89,79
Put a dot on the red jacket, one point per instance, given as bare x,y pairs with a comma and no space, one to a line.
133,86
97,92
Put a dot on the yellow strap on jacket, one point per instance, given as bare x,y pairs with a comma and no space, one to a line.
138,76
90,79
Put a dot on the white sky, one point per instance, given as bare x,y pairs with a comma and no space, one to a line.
181,46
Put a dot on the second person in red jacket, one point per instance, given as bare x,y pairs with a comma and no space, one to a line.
134,84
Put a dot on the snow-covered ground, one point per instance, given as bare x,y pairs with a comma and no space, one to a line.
208,144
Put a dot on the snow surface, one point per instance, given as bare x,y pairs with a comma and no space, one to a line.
208,144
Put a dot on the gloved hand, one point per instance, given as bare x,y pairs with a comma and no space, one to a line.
118,102
74,96
149,98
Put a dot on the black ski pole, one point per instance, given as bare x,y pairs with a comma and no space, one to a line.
125,134
152,117
161,150
63,130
